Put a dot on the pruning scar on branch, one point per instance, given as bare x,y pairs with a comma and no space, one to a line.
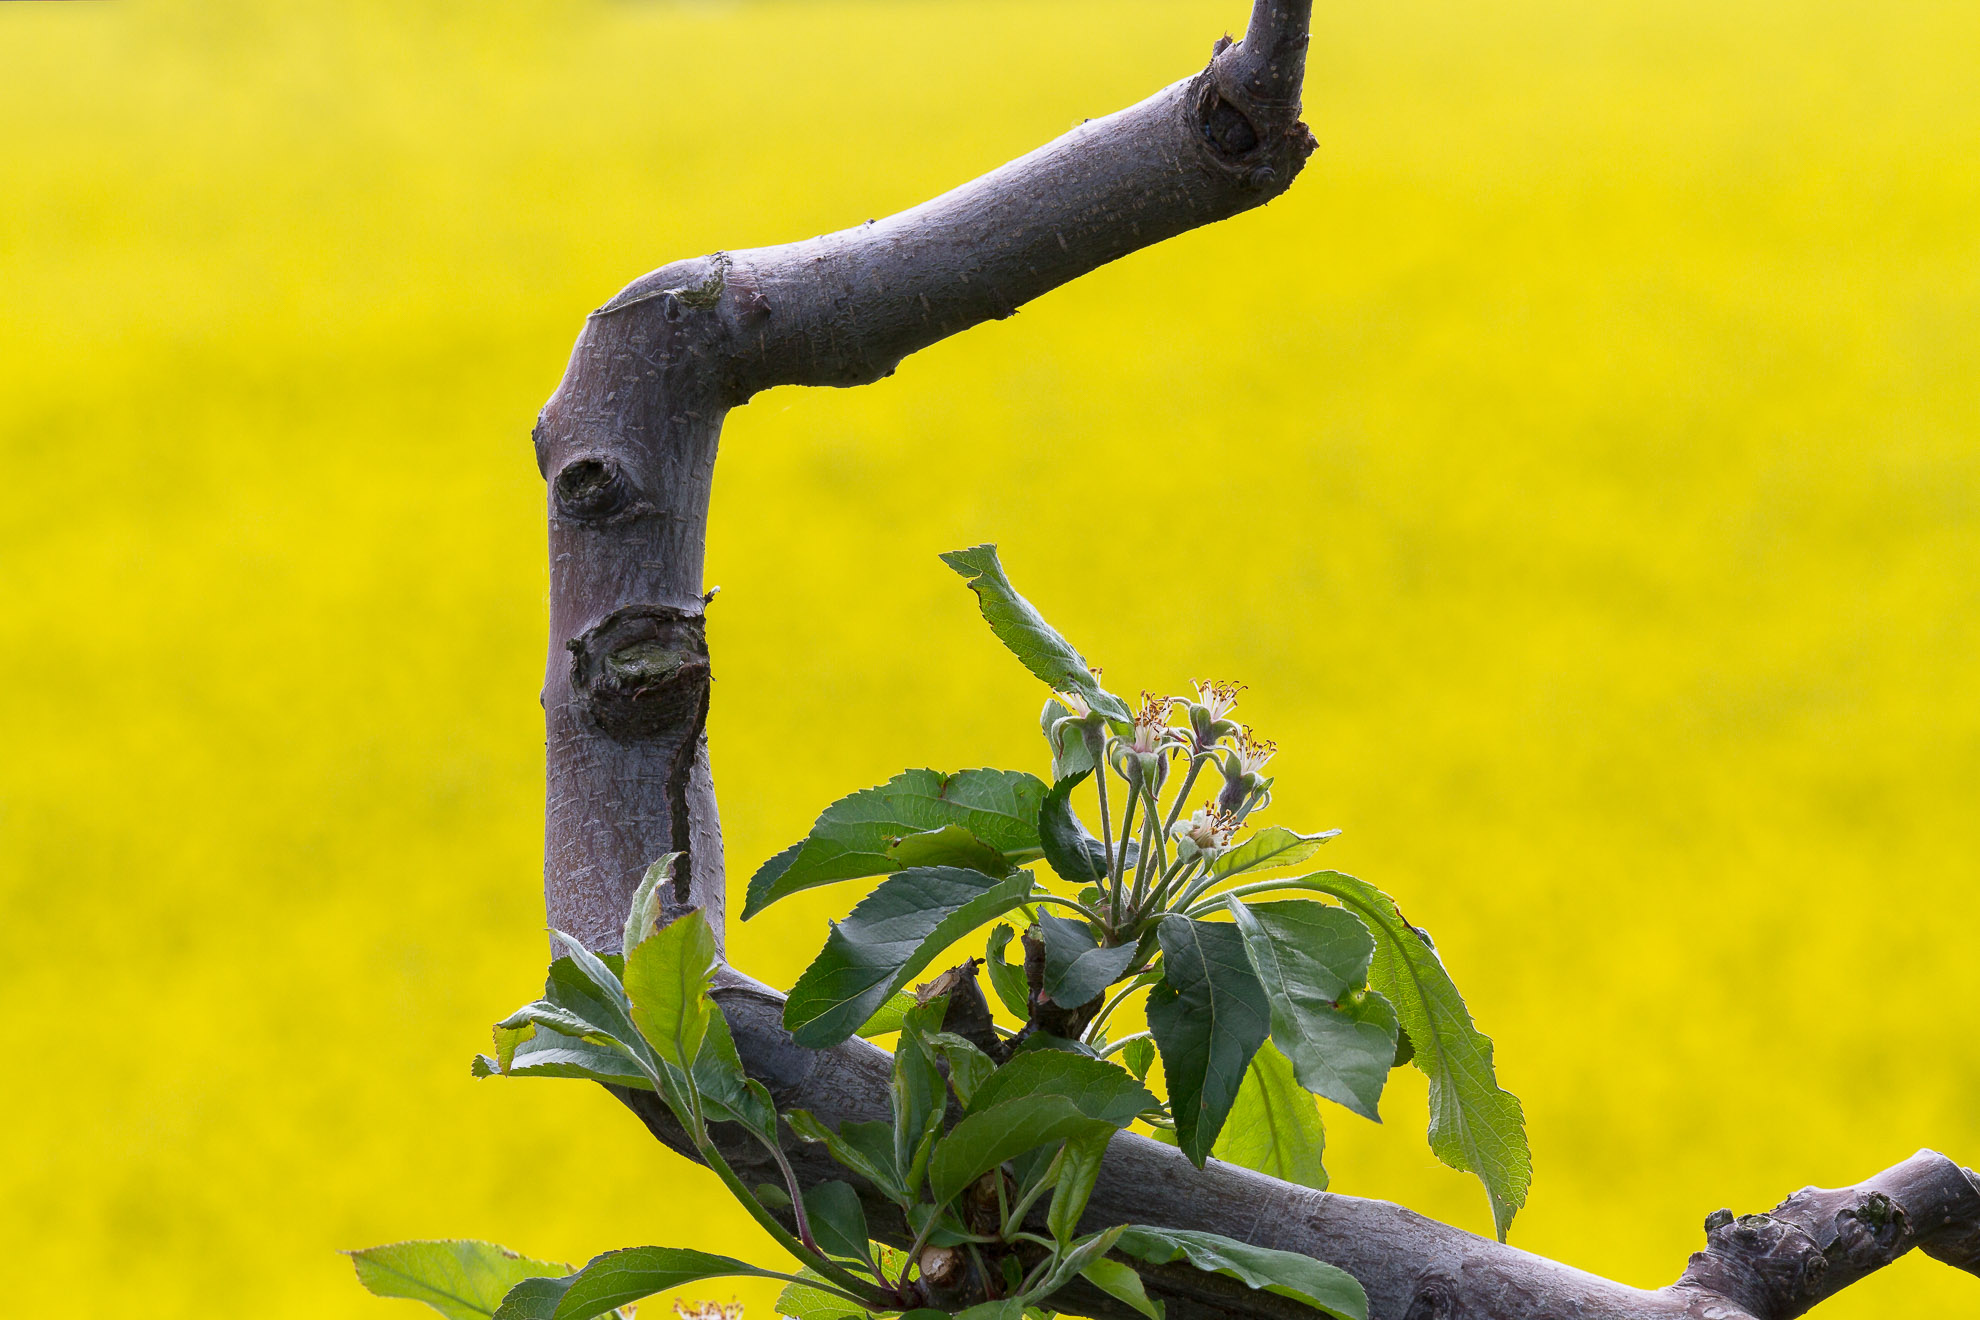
627,446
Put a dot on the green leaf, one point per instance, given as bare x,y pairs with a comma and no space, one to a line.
1082,1253
806,1301
1079,1170
532,1299
646,903
1077,969
1072,852
1275,1125
1302,1278
1209,1015
887,1018
891,935
460,1280
1097,1088
1024,632
1313,961
667,980
918,1095
1139,1057
1007,978
728,1094
865,1148
838,1222
952,845
969,1067
1010,1308
1268,850
1066,735
562,1056
856,836
1000,1132
1475,1126
618,1277
1122,1283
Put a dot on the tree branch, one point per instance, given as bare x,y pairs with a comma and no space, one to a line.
628,446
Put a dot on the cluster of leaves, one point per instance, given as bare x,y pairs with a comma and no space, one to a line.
1254,1006
971,1148
996,1136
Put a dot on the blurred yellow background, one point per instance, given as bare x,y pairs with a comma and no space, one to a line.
1581,465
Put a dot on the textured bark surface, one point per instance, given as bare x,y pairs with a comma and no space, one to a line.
627,446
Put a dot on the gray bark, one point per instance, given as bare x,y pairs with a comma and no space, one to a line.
628,444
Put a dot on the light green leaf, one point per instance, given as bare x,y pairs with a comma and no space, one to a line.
547,1055
887,1018
1313,962
1475,1126
1275,1125
969,1067
667,979
1302,1278
460,1280
1079,1170
1209,1016
1024,632
951,845
1010,1308
809,1301
1122,1283
1271,848
892,934
1139,1056
1077,969
1007,978
1083,1253
856,836
646,903
618,1277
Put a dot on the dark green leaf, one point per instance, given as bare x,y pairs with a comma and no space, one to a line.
1122,1283
952,845
989,1136
891,935
1077,857
1083,1252
1007,978
838,1222
533,1299
1066,735
727,1093
1474,1124
1076,967
917,1092
1209,1016
1313,961
460,1280
1098,1089
585,987
865,1148
1139,1057
1301,1278
1275,1125
856,835
1269,849
1024,632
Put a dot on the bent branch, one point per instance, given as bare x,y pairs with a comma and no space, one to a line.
628,446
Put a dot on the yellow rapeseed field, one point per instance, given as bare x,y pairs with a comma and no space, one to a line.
1581,465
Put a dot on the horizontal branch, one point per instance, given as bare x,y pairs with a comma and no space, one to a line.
1757,1267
